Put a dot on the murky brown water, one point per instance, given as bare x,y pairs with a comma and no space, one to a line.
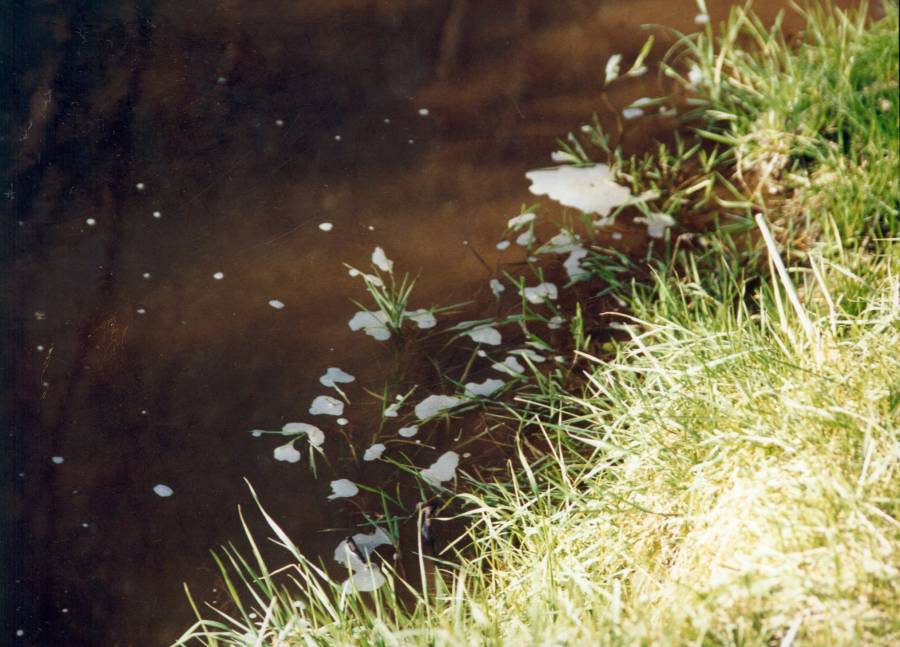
247,124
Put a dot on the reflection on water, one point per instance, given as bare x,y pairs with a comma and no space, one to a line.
187,180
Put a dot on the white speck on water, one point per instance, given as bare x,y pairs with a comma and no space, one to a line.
146,275
334,376
279,122
408,432
143,412
40,315
488,387
374,452
139,186
555,322
371,227
540,293
612,68
257,433
564,241
353,272
85,524
517,222
392,410
423,112
372,323
157,214
656,223
275,303
325,405
141,311
40,348
422,317
386,120
163,490
342,421
503,244
481,353
572,264
466,455
485,335
90,222
696,75
326,226
315,435
337,138
590,189
443,469
616,235
343,488
58,460
496,287
537,358
632,113
287,453
20,632
525,238
434,405
251,615
701,19
412,141
221,80
510,366
366,543
381,261
638,71
64,610
562,157
218,276
368,578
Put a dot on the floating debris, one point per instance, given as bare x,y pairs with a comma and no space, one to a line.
503,244
616,235
58,460
381,261
612,68
354,551
141,311
218,276
564,241
443,469
342,489
632,113
540,293
510,366
537,358
374,452
590,189
342,421
275,303
279,122
337,138
334,376
422,317
572,264
140,186
423,112
408,432
146,275
496,287
326,226
520,221
485,335
525,238
39,348
436,404
315,435
483,389
287,453
163,490
392,410
657,223
157,214
325,405
372,323
90,222
257,433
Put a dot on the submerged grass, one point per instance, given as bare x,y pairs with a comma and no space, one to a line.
728,474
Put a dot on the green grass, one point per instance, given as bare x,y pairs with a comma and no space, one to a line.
728,473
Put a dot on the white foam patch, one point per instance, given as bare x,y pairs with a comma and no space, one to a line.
503,244
423,112
483,389
632,113
372,323
218,276
374,452
612,68
157,214
342,489
275,303
315,435
540,293
572,264
525,238
537,358
58,460
616,235
90,222
510,366
520,221
657,223
562,157
381,261
342,421
287,453
564,241
257,433
392,410
163,490
408,432
422,317
368,578
325,405
443,469
326,226
485,335
496,287
334,376
436,404
590,189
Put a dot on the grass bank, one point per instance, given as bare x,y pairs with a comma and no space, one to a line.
726,473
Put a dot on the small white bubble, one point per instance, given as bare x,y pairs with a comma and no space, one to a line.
466,455
140,186
342,421
412,141
85,524
337,138
146,275
386,120
219,276
162,490
157,214
141,311
58,460
64,610
371,228
221,80
143,412
279,122
20,632
275,303
326,226
90,222
616,235
423,112
40,348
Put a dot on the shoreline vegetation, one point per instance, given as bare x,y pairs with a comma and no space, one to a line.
719,464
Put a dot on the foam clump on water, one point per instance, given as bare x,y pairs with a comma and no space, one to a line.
422,317
408,432
163,490
287,453
590,189
486,388
510,366
657,223
315,435
342,489
443,469
374,452
275,303
372,323
381,261
436,404
540,293
325,405
334,376
485,335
